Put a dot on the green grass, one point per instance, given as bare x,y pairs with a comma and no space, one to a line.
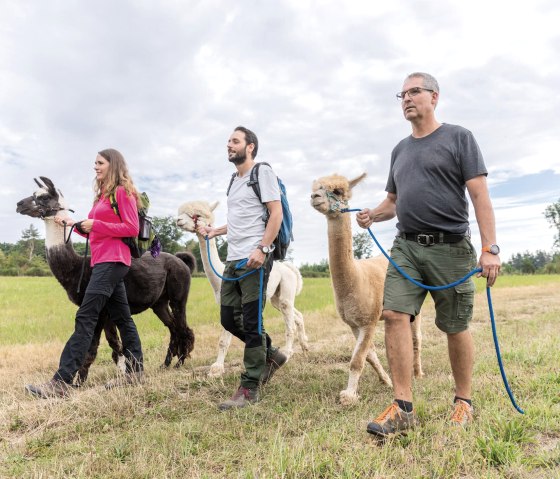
170,427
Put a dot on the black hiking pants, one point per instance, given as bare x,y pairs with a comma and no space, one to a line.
105,288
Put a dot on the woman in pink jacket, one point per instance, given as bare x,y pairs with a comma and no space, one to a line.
110,261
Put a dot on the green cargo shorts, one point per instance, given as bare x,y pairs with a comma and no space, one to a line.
434,265
246,290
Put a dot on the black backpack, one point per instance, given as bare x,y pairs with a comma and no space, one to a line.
147,239
285,235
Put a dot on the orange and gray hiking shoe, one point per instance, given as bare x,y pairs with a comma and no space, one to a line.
462,413
392,421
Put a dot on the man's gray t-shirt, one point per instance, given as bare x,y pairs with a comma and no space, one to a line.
245,225
428,175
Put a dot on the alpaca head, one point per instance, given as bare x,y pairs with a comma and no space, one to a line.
46,202
195,213
330,194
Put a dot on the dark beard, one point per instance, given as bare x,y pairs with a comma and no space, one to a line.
238,159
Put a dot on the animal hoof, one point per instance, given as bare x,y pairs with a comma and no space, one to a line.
348,398
216,371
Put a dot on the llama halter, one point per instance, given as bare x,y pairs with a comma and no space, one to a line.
451,285
336,204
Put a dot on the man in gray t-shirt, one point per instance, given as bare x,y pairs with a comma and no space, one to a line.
431,170
251,229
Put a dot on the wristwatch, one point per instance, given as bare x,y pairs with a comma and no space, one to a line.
264,249
492,249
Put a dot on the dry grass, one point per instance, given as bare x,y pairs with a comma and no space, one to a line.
170,427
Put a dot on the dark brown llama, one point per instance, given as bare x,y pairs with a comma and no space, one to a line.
161,283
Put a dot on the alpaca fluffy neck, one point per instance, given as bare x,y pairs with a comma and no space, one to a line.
341,255
215,282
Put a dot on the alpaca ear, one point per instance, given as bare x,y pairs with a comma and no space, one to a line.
38,184
214,205
355,181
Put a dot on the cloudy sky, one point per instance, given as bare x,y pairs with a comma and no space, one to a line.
166,82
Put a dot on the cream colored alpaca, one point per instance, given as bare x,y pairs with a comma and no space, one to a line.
284,283
357,283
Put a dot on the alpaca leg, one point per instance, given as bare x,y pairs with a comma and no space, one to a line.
417,345
218,369
300,328
364,338
374,361
287,311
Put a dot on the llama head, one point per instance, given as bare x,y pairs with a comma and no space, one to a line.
194,214
330,194
46,202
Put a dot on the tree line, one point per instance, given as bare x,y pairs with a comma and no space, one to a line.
27,256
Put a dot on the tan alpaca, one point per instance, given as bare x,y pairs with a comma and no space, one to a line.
357,283
284,283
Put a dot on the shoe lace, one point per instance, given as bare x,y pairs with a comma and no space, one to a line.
389,413
462,411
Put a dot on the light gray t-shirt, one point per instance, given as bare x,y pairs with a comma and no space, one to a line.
245,225
428,175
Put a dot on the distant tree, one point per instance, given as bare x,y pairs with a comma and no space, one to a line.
29,236
169,233
316,270
552,214
362,244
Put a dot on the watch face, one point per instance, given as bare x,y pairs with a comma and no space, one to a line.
494,249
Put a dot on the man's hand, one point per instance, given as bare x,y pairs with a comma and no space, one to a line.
364,219
490,264
256,260
206,231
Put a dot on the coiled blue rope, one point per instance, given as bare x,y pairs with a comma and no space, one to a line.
241,264
447,286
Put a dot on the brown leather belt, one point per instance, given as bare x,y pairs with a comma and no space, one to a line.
435,237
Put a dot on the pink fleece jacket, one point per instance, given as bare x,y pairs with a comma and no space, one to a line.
108,230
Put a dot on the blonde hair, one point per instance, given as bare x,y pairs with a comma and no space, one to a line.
117,175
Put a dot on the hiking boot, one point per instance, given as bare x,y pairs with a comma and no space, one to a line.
462,413
392,421
242,397
274,361
127,379
55,388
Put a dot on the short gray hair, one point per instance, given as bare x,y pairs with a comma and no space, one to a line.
429,81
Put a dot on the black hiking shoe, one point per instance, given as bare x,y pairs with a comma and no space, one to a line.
242,397
55,388
274,361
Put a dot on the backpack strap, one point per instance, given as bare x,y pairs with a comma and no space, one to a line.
254,179
114,204
231,183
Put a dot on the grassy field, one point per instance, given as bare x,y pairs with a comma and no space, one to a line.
170,427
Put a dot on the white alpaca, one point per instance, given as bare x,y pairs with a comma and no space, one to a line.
357,283
284,283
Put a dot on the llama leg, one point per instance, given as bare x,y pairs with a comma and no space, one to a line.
114,341
364,338
300,328
162,312
185,335
218,369
417,346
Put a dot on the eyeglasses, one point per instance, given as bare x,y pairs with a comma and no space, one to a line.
412,92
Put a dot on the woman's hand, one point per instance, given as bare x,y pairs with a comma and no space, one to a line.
64,220
87,225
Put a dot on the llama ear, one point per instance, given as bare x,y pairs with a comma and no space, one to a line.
355,181
38,184
60,193
49,184
214,205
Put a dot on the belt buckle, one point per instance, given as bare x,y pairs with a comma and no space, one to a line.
425,240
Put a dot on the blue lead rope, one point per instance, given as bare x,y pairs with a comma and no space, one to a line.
447,286
241,264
